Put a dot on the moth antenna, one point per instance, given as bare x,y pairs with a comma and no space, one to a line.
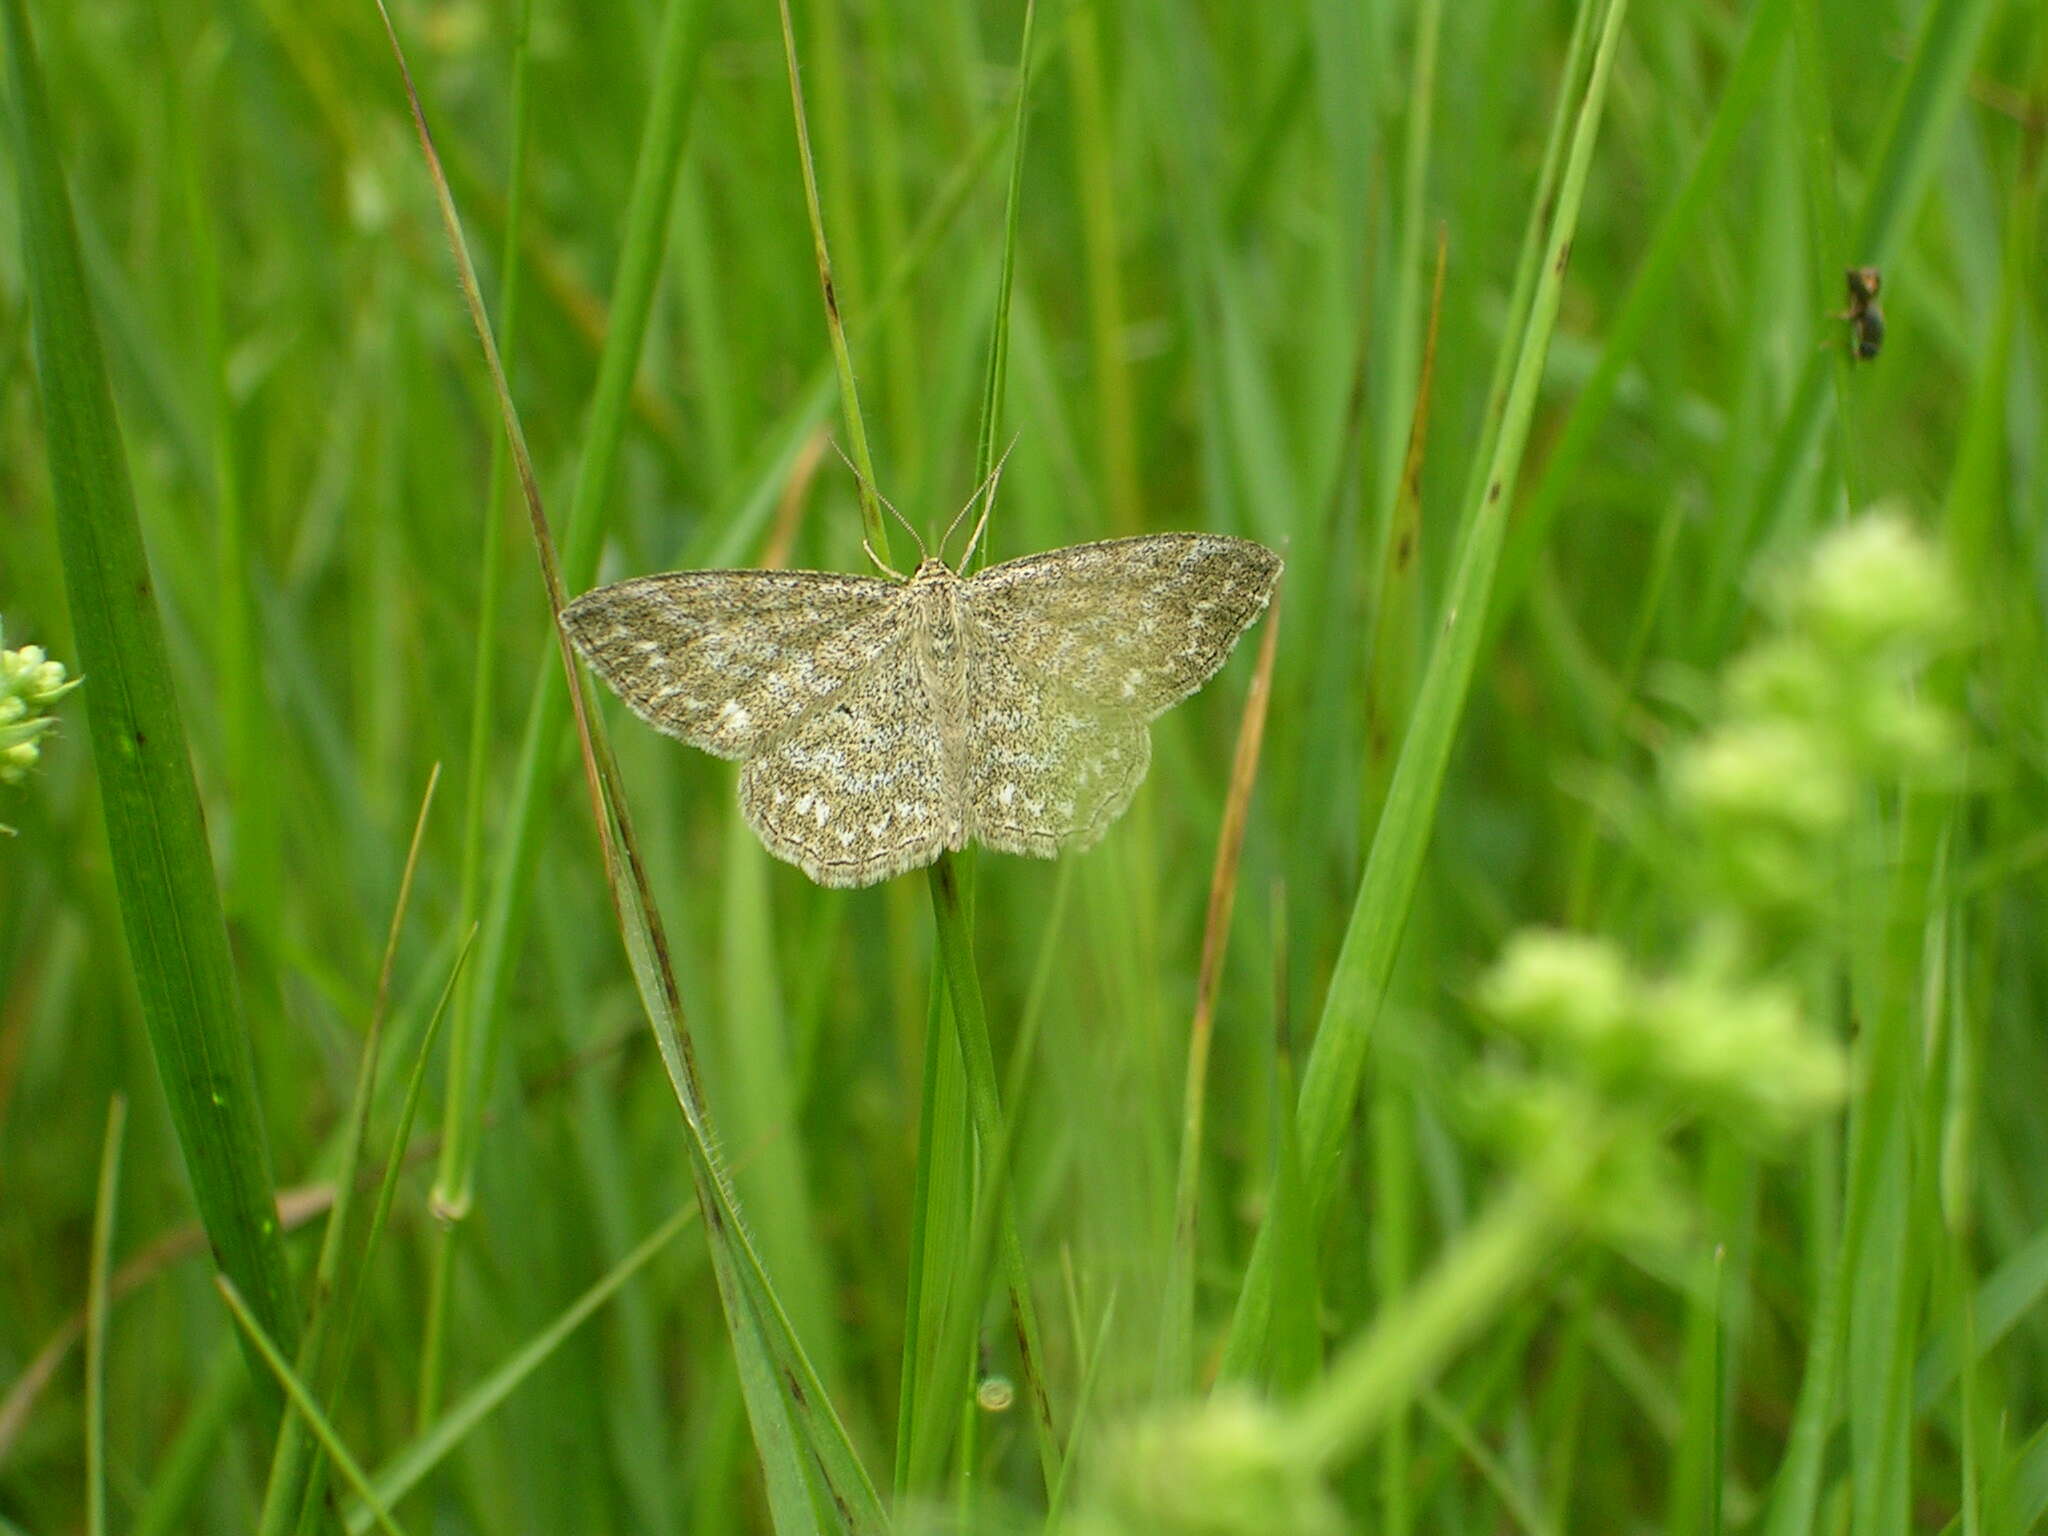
908,526
862,479
987,506
880,564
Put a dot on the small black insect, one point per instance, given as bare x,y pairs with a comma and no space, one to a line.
1865,317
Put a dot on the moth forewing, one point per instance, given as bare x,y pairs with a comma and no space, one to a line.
727,660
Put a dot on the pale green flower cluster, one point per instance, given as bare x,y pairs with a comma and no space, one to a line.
1707,1037
29,684
1830,706
1817,718
1224,1466
1620,1055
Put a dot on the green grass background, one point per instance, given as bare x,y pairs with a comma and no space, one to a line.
1223,252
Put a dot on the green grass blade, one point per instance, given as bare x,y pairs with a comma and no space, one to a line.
1294,1343
876,531
394,1165
302,1400
764,1100
1397,620
294,1485
1797,1489
405,1471
96,1321
2027,1483
195,1451
951,910
1336,1061
472,1043
1084,1401
941,1220
1409,395
1928,97
996,382
1529,256
163,869
963,984
1115,413
1672,246
491,587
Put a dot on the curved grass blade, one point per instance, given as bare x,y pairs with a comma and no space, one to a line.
797,1431
472,1042
156,834
1084,1401
349,1307
460,1104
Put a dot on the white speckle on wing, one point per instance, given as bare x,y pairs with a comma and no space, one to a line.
733,716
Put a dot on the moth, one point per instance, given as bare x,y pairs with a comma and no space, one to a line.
880,723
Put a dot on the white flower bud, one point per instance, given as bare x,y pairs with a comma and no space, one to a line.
44,683
16,760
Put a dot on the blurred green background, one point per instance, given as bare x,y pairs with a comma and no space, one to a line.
1228,226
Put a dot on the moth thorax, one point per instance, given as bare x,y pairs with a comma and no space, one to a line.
938,613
